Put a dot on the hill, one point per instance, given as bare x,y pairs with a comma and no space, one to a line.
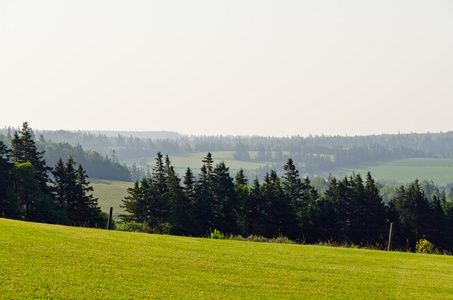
50,261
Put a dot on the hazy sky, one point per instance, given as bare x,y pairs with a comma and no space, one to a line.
228,67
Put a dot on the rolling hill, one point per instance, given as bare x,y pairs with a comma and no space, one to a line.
59,262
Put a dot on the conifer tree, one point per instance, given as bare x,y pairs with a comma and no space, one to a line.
134,203
9,207
204,206
180,209
224,200
73,192
24,150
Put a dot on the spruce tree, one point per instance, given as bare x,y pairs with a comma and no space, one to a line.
9,207
224,200
24,150
180,207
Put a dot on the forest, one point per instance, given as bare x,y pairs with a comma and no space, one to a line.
31,190
313,155
351,209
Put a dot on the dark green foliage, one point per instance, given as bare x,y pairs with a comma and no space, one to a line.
73,192
225,204
9,206
26,191
351,210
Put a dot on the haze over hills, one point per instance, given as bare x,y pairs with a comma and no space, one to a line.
314,155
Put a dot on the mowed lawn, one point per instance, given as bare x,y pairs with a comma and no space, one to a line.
59,262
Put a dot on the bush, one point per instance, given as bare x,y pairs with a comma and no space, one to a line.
425,246
217,235
134,227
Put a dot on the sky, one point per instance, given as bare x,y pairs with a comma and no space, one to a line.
232,67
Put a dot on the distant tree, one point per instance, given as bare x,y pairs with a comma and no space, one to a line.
240,152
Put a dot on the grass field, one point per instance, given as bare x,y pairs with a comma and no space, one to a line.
440,170
110,193
57,262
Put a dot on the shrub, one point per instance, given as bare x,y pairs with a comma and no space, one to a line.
134,227
217,235
425,246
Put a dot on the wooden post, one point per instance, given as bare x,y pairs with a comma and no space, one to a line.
109,224
390,237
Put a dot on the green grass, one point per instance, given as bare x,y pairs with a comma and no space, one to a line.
110,193
440,170
58,262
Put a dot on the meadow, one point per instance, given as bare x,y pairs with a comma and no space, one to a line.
110,193
59,262
439,170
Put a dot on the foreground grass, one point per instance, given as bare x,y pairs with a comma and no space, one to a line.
48,261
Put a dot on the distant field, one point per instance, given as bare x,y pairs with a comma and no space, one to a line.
194,161
59,262
110,194
440,170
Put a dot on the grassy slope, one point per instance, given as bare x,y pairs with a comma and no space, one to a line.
47,261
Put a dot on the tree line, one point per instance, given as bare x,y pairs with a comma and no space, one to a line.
97,165
31,190
350,210
314,154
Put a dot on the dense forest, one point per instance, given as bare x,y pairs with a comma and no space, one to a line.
97,165
31,190
350,210
313,155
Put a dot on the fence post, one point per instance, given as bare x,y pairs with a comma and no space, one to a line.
389,246
109,224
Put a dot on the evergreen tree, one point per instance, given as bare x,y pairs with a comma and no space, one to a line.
243,199
414,214
24,150
134,204
224,200
280,215
9,207
294,190
73,192
89,211
376,224
180,216
37,206
438,230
